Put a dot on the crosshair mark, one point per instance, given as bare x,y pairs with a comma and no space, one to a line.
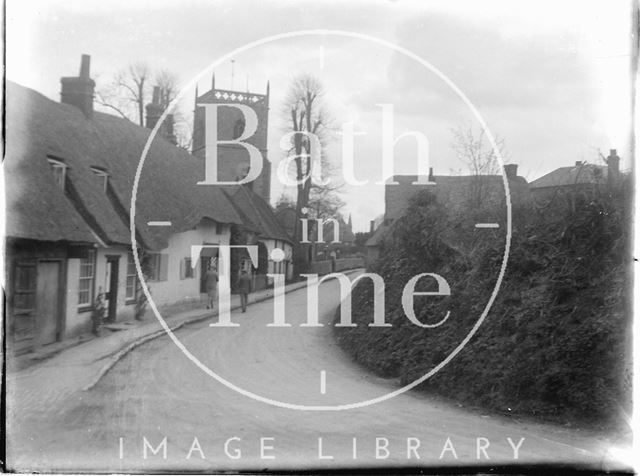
487,225
323,382
158,223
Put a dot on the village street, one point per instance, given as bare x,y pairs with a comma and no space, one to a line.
156,392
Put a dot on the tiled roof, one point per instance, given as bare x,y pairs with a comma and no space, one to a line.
578,174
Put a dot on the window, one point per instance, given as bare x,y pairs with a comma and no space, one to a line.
102,176
59,170
87,275
132,279
186,270
24,297
238,129
158,265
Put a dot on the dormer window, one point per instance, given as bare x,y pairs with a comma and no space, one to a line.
59,170
103,176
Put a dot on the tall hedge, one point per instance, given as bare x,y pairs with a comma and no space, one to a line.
556,342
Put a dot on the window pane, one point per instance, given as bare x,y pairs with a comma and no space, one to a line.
25,278
132,277
131,287
85,282
24,301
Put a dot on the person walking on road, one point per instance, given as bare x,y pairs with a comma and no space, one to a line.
244,288
211,283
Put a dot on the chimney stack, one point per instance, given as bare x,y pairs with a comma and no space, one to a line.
511,171
613,167
154,109
431,174
78,91
372,226
154,113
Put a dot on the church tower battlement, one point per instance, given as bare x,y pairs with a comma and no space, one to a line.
233,159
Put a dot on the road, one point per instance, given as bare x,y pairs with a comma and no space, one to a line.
156,392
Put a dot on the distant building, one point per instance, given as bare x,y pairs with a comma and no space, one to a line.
581,179
455,192
233,159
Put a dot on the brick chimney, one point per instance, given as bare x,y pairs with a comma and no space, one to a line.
154,112
511,171
613,167
78,91
154,109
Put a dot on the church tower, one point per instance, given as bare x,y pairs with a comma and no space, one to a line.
233,159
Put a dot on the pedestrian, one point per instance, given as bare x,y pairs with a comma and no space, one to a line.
333,260
244,288
211,283
98,312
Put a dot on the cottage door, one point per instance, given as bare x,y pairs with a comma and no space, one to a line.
111,293
204,266
48,302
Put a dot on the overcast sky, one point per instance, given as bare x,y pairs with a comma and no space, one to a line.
549,77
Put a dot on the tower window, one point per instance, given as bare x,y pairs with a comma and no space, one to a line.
59,170
238,129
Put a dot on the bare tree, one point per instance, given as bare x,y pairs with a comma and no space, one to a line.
324,202
128,92
306,118
168,84
475,151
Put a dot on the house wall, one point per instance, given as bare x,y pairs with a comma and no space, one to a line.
22,325
175,290
270,244
79,318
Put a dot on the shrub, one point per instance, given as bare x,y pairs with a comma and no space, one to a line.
556,343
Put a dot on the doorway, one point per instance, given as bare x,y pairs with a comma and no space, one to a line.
48,301
111,292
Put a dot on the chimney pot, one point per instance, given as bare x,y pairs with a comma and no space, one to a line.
156,95
78,91
511,171
613,167
85,66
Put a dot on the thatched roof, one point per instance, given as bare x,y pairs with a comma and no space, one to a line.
39,128
257,214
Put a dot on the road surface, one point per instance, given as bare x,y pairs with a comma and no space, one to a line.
156,392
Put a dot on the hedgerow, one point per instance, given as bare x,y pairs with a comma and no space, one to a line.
556,342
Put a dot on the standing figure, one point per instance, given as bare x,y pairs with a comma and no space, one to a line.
98,313
244,288
211,283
